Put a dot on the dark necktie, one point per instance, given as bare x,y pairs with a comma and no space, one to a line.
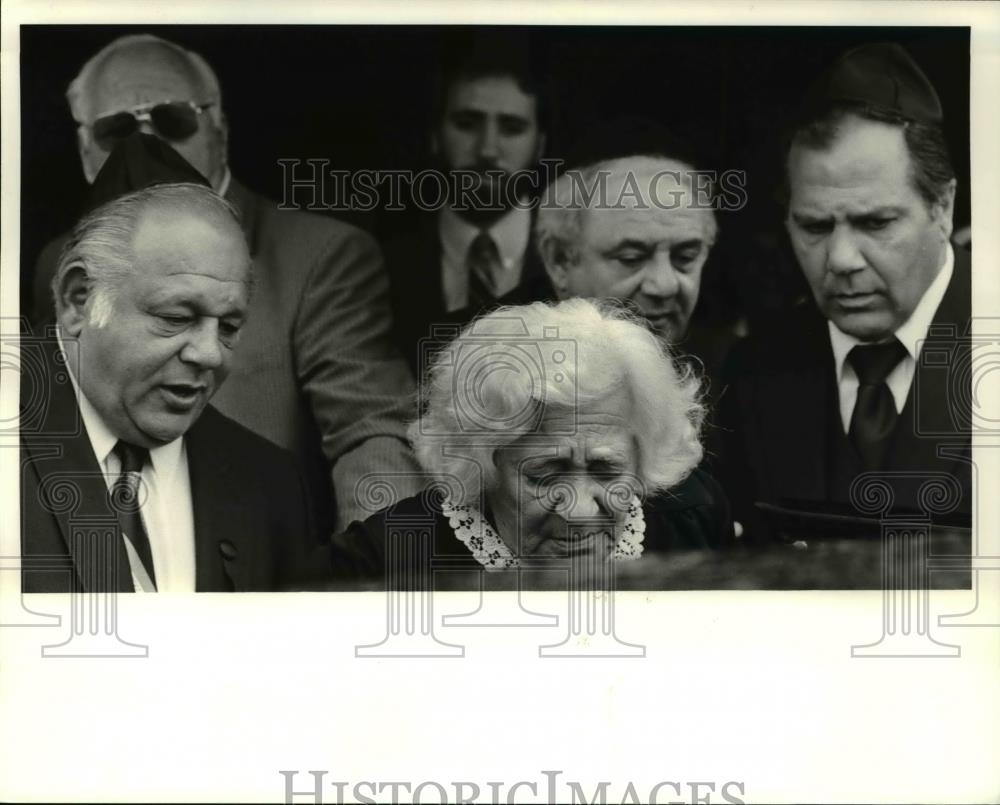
126,493
484,266
874,417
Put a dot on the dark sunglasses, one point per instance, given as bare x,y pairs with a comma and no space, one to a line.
172,120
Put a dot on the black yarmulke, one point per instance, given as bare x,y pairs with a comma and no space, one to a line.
139,161
880,76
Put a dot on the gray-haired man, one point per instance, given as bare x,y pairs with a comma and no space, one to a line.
152,294
316,371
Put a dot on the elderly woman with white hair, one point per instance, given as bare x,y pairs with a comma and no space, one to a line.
550,430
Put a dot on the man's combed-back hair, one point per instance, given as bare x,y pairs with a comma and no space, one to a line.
101,242
561,214
487,53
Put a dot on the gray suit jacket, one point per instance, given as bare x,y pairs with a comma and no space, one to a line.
316,370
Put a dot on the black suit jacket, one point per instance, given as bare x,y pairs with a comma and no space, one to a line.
316,371
252,524
780,404
413,259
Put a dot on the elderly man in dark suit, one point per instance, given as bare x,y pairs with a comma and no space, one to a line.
841,387
317,372
152,294
628,220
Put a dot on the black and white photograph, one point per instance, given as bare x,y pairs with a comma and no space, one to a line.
591,407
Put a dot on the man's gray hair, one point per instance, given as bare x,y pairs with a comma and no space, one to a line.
492,384
560,215
79,93
101,242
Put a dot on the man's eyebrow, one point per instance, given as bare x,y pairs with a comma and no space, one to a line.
876,212
809,218
690,243
510,117
630,243
171,298
192,303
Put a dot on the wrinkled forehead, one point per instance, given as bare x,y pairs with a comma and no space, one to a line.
602,423
864,156
198,239
145,73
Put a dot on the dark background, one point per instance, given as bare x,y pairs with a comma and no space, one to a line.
358,96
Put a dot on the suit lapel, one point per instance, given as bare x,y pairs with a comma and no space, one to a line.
941,380
226,556
795,403
64,463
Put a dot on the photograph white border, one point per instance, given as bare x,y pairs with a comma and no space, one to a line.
756,687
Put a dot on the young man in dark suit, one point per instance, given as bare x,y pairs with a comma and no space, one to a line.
845,385
449,263
130,480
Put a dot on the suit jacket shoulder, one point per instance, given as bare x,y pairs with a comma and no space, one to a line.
792,341
694,515
316,370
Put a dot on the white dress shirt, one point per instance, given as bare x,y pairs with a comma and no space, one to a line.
510,233
911,335
165,496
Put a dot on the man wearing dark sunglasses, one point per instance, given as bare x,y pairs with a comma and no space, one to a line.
171,120
141,83
316,370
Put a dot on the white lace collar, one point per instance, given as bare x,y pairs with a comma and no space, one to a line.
492,552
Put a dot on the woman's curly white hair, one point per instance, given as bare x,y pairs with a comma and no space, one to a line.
491,385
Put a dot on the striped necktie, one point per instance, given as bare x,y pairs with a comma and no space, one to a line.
126,496
484,267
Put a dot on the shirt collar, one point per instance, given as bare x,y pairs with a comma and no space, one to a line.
165,458
510,233
913,331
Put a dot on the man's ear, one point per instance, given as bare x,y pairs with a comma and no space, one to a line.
220,125
558,263
72,293
945,209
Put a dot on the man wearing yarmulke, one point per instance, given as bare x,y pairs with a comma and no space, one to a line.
866,376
